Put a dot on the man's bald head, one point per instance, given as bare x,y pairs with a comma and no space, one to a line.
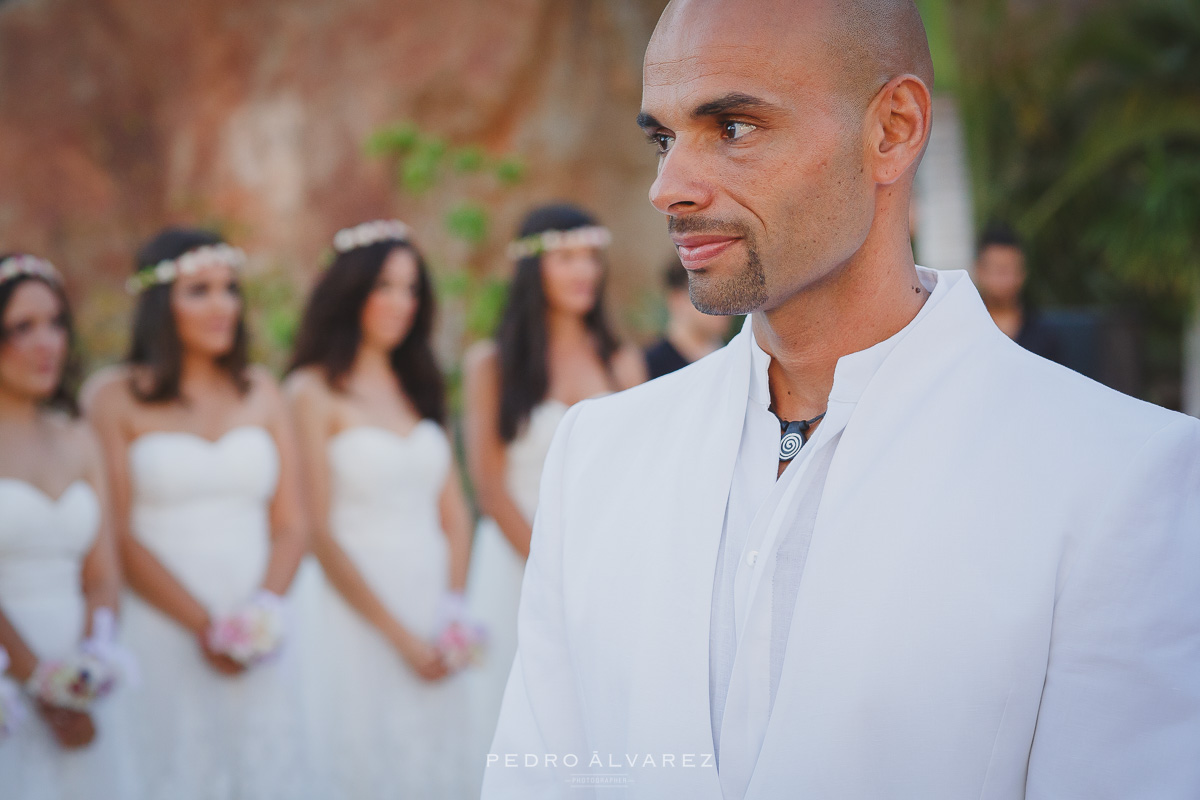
788,134
859,45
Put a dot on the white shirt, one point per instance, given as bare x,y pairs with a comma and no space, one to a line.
764,544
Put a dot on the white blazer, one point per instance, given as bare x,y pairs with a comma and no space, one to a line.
1001,598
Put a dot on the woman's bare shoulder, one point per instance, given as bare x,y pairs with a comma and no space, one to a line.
483,354
307,385
108,390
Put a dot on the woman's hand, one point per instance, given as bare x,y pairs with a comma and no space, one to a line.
423,657
72,729
219,661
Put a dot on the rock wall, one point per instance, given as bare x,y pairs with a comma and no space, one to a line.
120,116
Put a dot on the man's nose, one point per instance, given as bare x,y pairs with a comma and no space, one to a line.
680,186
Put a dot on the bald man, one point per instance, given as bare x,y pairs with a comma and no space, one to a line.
872,548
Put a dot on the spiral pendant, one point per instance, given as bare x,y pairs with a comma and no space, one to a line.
789,445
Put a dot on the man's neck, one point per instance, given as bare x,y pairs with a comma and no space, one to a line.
858,306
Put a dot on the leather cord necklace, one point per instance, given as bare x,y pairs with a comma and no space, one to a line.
793,435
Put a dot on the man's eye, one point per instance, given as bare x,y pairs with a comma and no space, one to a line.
661,141
736,130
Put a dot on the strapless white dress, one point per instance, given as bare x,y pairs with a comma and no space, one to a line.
202,508
494,585
43,542
387,733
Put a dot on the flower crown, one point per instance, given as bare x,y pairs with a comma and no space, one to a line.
538,243
167,270
24,264
369,233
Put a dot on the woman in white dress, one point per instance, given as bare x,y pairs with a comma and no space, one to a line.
58,565
553,348
390,523
204,480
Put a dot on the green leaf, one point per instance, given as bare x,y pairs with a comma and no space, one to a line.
483,313
418,173
468,159
394,140
510,171
468,222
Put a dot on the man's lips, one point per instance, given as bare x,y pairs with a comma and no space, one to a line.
694,251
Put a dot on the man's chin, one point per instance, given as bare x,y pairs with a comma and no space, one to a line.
725,295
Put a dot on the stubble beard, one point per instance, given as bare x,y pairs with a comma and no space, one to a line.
741,293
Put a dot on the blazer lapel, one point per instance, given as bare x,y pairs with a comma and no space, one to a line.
927,354
674,707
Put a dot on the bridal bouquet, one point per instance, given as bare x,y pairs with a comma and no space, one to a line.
461,640
88,674
254,632
12,710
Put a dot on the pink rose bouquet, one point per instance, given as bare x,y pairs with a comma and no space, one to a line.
461,640
252,633
88,674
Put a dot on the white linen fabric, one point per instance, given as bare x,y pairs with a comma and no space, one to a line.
999,599
43,542
764,545
202,508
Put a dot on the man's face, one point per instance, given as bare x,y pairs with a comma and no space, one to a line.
760,156
1000,273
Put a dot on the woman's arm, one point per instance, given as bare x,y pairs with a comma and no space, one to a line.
107,410
456,525
485,447
22,661
71,729
312,409
101,573
289,535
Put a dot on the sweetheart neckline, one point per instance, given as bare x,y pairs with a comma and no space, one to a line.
401,437
40,492
197,437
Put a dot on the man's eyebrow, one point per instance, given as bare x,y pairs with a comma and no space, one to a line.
732,103
644,120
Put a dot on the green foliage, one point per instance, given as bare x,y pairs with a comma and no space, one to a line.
469,159
273,306
458,182
1087,136
1084,132
393,140
510,171
936,16
486,305
426,161
468,222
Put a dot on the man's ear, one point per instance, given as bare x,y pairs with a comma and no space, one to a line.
899,121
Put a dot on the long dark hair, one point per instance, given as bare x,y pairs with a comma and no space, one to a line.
63,397
522,341
331,331
155,342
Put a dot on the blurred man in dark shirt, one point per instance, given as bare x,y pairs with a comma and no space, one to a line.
1000,277
690,334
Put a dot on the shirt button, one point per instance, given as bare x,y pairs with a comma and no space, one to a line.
751,557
